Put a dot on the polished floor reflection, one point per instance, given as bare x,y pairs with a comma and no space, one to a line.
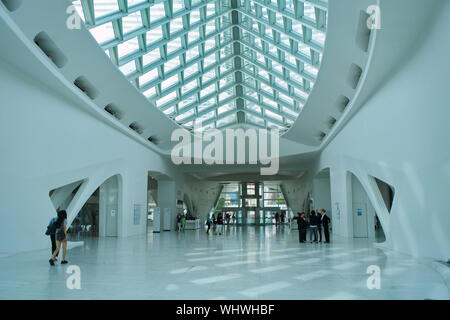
244,263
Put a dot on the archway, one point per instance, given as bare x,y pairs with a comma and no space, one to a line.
100,213
362,213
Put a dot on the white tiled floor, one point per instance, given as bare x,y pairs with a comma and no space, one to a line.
244,263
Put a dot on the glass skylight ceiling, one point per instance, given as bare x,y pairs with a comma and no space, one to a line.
223,62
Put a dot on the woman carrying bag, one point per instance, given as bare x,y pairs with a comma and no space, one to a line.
61,237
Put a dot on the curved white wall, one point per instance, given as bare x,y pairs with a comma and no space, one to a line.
400,136
48,142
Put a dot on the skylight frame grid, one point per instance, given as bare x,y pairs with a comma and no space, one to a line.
270,22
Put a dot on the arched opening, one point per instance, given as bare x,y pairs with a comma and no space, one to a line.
364,220
99,216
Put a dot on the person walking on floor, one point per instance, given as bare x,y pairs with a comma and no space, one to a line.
313,222
208,223
60,237
219,223
302,227
325,222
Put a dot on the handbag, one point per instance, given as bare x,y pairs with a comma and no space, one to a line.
50,229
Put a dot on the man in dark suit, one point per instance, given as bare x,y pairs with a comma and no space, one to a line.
325,222
302,227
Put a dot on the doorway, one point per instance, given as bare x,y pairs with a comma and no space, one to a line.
362,212
109,204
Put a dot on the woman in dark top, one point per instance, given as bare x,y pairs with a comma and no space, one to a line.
61,237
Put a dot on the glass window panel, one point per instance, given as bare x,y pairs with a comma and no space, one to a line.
206,116
266,88
105,7
286,98
273,115
311,70
169,97
309,11
209,44
254,119
227,120
148,77
194,16
131,22
193,35
171,65
170,110
178,5
150,92
296,77
157,12
297,27
128,68
206,105
154,35
192,53
103,33
253,107
318,37
185,102
190,70
174,46
210,9
209,75
210,27
282,84
151,57
132,3
185,115
290,112
176,25
188,87
166,84
225,108
128,47
210,89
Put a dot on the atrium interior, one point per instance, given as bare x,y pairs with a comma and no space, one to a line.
179,142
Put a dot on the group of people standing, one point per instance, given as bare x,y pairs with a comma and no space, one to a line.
316,222
217,222
181,221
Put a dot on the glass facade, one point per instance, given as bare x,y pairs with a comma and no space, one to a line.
252,203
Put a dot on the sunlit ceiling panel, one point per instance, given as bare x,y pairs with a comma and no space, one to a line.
221,62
